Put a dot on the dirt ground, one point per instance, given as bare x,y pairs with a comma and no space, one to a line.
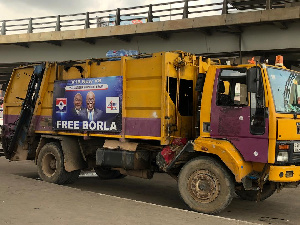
24,199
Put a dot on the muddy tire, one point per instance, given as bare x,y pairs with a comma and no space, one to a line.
50,165
268,191
205,185
107,173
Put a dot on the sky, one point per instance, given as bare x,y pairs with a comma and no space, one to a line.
15,9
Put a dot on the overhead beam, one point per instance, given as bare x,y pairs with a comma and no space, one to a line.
245,18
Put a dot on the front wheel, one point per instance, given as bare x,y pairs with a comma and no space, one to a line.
50,165
205,185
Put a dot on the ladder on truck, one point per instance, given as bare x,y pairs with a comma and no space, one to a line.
20,128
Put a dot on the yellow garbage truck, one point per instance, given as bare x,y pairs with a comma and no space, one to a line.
217,129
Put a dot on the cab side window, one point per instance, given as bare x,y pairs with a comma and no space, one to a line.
232,88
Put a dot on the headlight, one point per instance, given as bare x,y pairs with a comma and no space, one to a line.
282,156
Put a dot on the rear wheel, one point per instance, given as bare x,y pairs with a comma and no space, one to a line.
205,186
267,191
50,164
107,173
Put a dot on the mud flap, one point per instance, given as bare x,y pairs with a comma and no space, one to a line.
73,159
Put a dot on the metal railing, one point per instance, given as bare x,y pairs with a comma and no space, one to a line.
179,9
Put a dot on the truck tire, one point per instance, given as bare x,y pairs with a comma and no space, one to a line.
50,165
205,185
107,173
268,190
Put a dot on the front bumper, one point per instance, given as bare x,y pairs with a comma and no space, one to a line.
284,173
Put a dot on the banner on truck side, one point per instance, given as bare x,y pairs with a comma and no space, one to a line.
92,104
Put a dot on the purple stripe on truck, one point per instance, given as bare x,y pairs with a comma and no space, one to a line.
133,126
143,127
42,123
9,118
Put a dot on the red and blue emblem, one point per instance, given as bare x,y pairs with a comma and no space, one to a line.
61,105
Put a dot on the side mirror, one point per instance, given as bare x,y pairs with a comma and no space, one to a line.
253,79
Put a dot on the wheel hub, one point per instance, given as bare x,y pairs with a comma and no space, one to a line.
49,164
203,186
53,164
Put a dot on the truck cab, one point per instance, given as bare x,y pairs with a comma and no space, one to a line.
255,108
249,122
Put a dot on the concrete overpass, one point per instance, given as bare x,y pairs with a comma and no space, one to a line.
259,32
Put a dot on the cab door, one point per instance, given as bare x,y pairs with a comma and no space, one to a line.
238,115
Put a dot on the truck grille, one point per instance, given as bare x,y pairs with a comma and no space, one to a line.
296,158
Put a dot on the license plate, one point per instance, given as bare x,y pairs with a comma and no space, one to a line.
296,147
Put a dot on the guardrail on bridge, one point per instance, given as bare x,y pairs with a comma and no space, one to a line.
137,14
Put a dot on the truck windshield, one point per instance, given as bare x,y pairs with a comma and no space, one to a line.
285,87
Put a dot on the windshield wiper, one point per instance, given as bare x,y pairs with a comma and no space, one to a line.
295,114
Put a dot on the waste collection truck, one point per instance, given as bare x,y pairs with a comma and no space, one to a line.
216,129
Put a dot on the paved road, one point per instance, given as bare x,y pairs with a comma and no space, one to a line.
24,199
